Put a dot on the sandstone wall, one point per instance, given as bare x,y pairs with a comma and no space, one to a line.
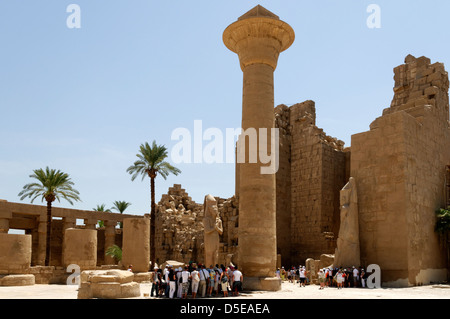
283,184
318,172
180,230
399,167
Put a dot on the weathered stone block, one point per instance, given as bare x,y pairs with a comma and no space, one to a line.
17,280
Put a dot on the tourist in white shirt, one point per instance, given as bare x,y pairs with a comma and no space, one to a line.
195,275
185,276
237,280
302,275
355,277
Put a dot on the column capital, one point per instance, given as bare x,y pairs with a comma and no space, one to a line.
259,36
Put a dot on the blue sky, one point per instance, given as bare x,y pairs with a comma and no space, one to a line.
83,100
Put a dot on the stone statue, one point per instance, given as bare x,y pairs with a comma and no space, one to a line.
213,229
347,253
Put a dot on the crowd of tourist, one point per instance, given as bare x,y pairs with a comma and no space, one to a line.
338,277
199,281
196,281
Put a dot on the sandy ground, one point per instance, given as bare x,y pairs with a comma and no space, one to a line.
289,291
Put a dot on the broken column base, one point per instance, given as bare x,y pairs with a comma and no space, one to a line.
112,284
262,283
17,280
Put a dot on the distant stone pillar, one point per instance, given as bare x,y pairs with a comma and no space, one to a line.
68,222
90,223
5,216
4,225
80,248
136,244
42,240
110,239
258,37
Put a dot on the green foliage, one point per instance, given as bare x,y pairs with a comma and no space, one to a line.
442,226
101,208
51,184
115,252
151,161
120,206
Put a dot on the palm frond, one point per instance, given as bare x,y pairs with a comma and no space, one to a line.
102,208
115,252
50,182
151,159
120,206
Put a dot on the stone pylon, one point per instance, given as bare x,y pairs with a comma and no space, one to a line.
258,37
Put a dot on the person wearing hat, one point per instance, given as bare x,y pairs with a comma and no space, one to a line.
156,280
363,277
321,276
355,277
340,278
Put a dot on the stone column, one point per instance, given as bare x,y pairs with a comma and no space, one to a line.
68,222
90,223
42,240
136,244
15,254
258,37
110,239
5,216
80,248
4,225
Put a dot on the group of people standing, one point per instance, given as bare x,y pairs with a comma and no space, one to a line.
345,277
172,282
338,277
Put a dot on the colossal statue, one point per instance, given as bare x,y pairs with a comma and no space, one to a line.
213,229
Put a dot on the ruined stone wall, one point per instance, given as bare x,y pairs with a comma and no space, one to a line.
180,230
283,184
318,166
399,166
179,227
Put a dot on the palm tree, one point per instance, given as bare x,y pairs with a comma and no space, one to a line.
51,184
115,252
151,161
120,206
101,208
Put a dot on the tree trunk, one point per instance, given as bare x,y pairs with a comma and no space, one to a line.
48,238
152,222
